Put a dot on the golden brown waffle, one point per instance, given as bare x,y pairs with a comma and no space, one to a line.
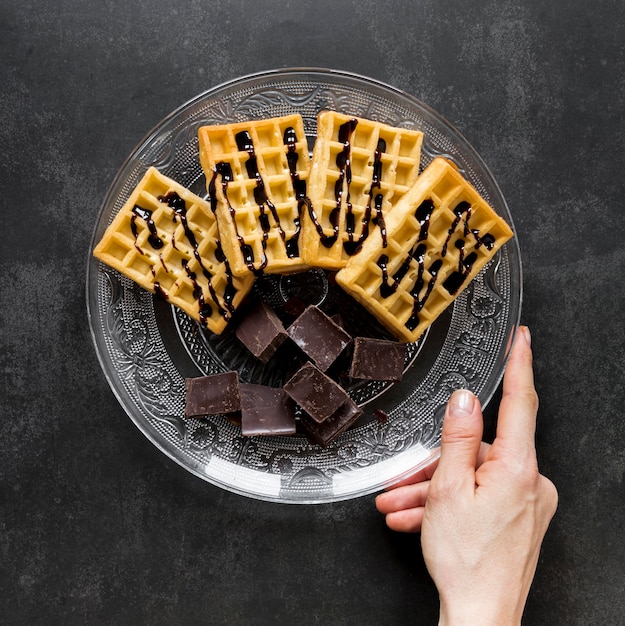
439,236
360,170
257,173
166,239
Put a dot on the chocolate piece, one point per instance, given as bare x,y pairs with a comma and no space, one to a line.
215,394
261,331
266,411
377,359
319,337
315,392
381,416
331,428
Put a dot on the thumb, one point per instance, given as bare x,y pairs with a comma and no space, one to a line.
460,440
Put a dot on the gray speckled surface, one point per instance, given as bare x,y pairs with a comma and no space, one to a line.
98,527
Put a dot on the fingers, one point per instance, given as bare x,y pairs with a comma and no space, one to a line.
461,439
403,503
403,506
401,498
519,402
461,452
406,521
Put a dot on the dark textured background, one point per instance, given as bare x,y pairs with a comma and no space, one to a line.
96,525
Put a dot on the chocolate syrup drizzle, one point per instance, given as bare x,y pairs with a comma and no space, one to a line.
224,170
378,220
146,215
455,280
245,143
265,206
343,162
465,264
178,205
159,291
299,187
352,246
342,187
344,181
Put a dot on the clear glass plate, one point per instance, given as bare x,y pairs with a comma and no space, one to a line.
147,348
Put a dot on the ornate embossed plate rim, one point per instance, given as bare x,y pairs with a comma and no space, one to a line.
149,387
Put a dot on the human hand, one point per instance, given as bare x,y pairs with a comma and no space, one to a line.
484,511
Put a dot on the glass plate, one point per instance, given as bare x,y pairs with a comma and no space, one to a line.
147,348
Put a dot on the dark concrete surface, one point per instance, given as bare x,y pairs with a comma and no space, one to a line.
96,525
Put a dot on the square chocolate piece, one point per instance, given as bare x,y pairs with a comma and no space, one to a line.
318,337
377,359
261,331
266,411
338,423
316,393
215,394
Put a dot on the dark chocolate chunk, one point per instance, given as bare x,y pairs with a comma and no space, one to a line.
318,337
315,392
377,359
261,331
331,428
215,394
381,416
266,411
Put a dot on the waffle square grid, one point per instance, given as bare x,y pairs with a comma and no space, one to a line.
439,236
257,172
166,239
360,169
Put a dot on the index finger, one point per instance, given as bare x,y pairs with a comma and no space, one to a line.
519,402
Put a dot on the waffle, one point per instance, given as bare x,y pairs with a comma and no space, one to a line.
439,236
257,172
166,239
360,169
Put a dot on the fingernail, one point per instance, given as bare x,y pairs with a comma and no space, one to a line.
461,403
526,333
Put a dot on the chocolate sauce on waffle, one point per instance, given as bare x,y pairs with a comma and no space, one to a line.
342,188
267,210
205,310
423,215
326,240
179,207
353,246
146,215
245,143
343,183
419,303
299,186
224,170
378,220
230,290
159,291
343,162
456,279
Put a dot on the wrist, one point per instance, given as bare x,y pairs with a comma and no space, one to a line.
485,613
